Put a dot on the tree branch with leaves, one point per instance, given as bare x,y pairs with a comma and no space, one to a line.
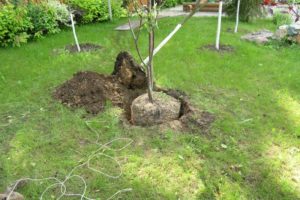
148,18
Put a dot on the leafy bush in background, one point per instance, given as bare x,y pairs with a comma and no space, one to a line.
20,22
281,19
62,14
249,9
118,10
170,3
293,1
97,10
43,19
173,3
14,25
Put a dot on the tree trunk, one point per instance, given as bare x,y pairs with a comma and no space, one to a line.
237,16
151,49
74,32
109,10
219,25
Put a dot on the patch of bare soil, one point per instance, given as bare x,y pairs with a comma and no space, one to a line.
240,30
84,47
223,48
90,90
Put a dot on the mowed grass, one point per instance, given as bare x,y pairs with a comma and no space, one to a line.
252,150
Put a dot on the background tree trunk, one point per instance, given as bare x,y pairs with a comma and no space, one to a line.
219,25
237,16
74,32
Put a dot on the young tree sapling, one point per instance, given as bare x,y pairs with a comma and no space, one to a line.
148,16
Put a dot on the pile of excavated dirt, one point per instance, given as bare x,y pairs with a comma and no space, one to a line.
90,90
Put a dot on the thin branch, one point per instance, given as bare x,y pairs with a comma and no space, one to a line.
135,38
140,28
162,43
197,7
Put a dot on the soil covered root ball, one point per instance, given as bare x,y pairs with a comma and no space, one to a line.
163,109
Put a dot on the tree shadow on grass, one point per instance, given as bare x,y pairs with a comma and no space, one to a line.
239,164
231,165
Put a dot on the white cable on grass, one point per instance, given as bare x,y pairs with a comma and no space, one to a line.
74,32
120,191
219,25
100,172
237,16
11,190
62,183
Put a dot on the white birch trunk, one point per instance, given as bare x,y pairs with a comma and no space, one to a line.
219,25
74,32
237,16
109,10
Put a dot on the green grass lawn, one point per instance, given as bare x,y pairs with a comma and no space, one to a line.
251,152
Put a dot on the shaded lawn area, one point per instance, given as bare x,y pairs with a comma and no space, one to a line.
251,151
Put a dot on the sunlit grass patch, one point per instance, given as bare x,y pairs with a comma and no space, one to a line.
170,174
253,93
291,105
287,161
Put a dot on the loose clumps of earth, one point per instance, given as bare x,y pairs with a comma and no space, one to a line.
128,84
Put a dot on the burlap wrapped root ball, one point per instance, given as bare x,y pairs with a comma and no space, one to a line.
163,109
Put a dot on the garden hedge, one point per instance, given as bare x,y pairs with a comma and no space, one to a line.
21,22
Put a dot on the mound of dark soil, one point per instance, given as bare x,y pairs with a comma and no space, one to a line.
84,47
90,90
223,48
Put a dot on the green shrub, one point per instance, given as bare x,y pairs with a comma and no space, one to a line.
97,10
14,25
19,23
170,3
173,3
293,1
249,9
281,19
43,19
62,14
